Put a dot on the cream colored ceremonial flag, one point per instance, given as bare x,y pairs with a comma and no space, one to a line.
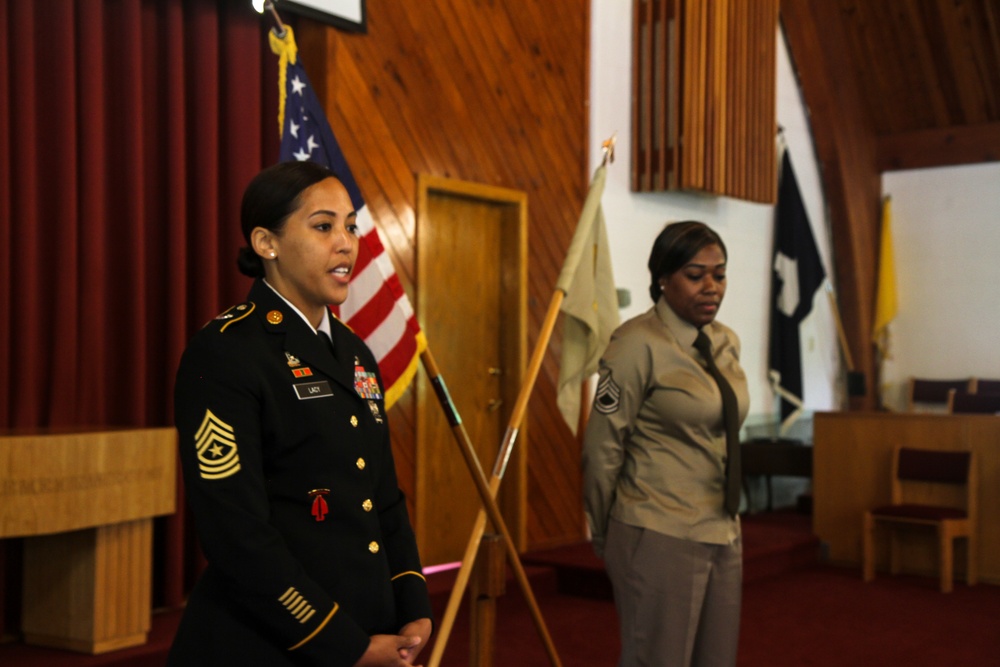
590,305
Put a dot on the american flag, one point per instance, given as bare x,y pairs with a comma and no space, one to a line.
376,308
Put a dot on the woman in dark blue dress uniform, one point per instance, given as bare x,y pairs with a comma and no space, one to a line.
285,451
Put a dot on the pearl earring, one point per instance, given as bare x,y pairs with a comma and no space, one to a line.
272,253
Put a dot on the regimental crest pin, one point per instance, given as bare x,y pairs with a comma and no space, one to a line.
293,361
373,406
319,506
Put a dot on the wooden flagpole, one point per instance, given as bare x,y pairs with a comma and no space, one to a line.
503,456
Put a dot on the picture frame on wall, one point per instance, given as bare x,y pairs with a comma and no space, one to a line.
347,15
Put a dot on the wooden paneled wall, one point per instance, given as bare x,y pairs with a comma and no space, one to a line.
703,97
491,92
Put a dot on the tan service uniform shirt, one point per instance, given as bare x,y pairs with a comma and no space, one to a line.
654,453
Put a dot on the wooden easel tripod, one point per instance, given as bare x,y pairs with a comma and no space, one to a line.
488,489
487,492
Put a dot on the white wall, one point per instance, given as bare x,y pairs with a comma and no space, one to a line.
634,220
946,237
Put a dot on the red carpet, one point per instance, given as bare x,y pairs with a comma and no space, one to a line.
796,613
825,616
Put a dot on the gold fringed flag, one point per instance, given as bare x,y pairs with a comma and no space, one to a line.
885,297
885,307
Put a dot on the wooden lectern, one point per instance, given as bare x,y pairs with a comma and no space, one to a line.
84,501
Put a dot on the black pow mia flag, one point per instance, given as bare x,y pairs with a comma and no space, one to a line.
796,274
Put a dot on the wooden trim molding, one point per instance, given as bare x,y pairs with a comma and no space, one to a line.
939,147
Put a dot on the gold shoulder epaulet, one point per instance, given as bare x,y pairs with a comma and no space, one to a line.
234,314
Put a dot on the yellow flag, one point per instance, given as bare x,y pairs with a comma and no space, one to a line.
885,299
590,304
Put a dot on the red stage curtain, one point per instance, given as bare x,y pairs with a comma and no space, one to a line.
128,130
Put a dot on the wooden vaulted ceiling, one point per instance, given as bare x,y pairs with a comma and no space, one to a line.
889,85
928,75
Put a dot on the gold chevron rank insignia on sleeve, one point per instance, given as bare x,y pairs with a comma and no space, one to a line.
216,445
297,605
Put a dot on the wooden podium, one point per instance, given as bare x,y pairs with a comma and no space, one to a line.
84,501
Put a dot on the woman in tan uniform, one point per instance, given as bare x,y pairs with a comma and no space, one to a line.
656,465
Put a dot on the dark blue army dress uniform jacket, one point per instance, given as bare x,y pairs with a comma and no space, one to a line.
289,473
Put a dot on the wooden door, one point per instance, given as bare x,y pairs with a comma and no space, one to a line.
471,259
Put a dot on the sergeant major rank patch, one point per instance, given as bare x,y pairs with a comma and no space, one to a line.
216,445
608,395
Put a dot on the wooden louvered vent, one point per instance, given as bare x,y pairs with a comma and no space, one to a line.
703,97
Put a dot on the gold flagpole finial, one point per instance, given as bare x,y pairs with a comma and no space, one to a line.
608,146
280,30
260,6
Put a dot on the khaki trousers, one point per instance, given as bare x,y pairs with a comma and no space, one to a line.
678,601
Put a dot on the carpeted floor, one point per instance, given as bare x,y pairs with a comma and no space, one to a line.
825,616
796,612
817,616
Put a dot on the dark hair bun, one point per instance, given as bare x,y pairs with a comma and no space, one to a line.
250,263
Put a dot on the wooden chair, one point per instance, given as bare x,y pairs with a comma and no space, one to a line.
960,402
936,489
924,392
984,386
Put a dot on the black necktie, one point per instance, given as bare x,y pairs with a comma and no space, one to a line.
327,341
731,419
